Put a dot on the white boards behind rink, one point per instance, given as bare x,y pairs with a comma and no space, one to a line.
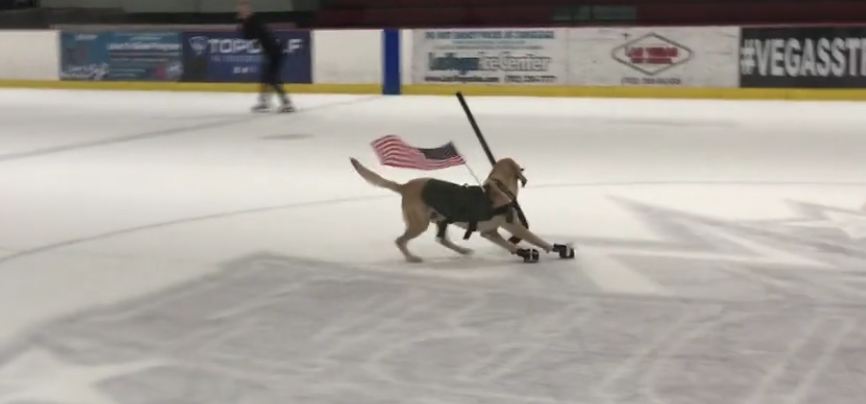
646,56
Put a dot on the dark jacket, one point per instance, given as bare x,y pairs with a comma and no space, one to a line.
253,28
461,204
458,203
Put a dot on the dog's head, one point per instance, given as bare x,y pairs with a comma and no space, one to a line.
507,173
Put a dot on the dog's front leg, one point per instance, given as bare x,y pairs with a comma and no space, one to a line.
528,255
524,233
496,238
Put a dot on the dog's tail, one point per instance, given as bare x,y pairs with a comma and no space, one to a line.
374,178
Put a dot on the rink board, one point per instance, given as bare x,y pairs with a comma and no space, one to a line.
193,87
635,62
643,92
556,91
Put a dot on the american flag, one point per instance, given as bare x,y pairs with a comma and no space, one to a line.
393,151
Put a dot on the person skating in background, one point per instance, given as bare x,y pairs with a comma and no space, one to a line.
253,28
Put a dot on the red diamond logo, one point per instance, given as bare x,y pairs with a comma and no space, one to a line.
652,54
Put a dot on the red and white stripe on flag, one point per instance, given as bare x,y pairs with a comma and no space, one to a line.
393,151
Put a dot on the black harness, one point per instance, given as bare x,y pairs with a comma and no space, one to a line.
464,204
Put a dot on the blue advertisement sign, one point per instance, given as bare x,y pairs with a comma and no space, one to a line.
153,56
83,56
135,56
225,56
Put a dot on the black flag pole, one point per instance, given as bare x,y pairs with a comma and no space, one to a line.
520,215
476,128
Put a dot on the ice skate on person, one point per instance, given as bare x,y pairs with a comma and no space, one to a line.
263,105
286,105
287,108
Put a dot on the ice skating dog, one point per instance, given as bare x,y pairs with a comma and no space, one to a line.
485,209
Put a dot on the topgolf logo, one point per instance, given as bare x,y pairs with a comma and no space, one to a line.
201,45
198,44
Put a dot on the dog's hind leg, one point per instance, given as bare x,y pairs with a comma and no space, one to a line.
416,223
442,238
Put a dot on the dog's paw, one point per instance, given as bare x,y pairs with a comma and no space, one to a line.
529,255
565,251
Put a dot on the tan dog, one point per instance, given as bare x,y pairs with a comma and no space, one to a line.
502,186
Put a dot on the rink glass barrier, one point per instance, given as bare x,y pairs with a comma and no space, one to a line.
649,62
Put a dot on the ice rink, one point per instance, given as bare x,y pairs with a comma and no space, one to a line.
174,248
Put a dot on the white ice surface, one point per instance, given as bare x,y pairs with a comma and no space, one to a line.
109,196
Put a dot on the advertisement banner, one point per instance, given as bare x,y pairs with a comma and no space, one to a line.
83,56
127,56
806,57
667,57
224,56
148,56
489,56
